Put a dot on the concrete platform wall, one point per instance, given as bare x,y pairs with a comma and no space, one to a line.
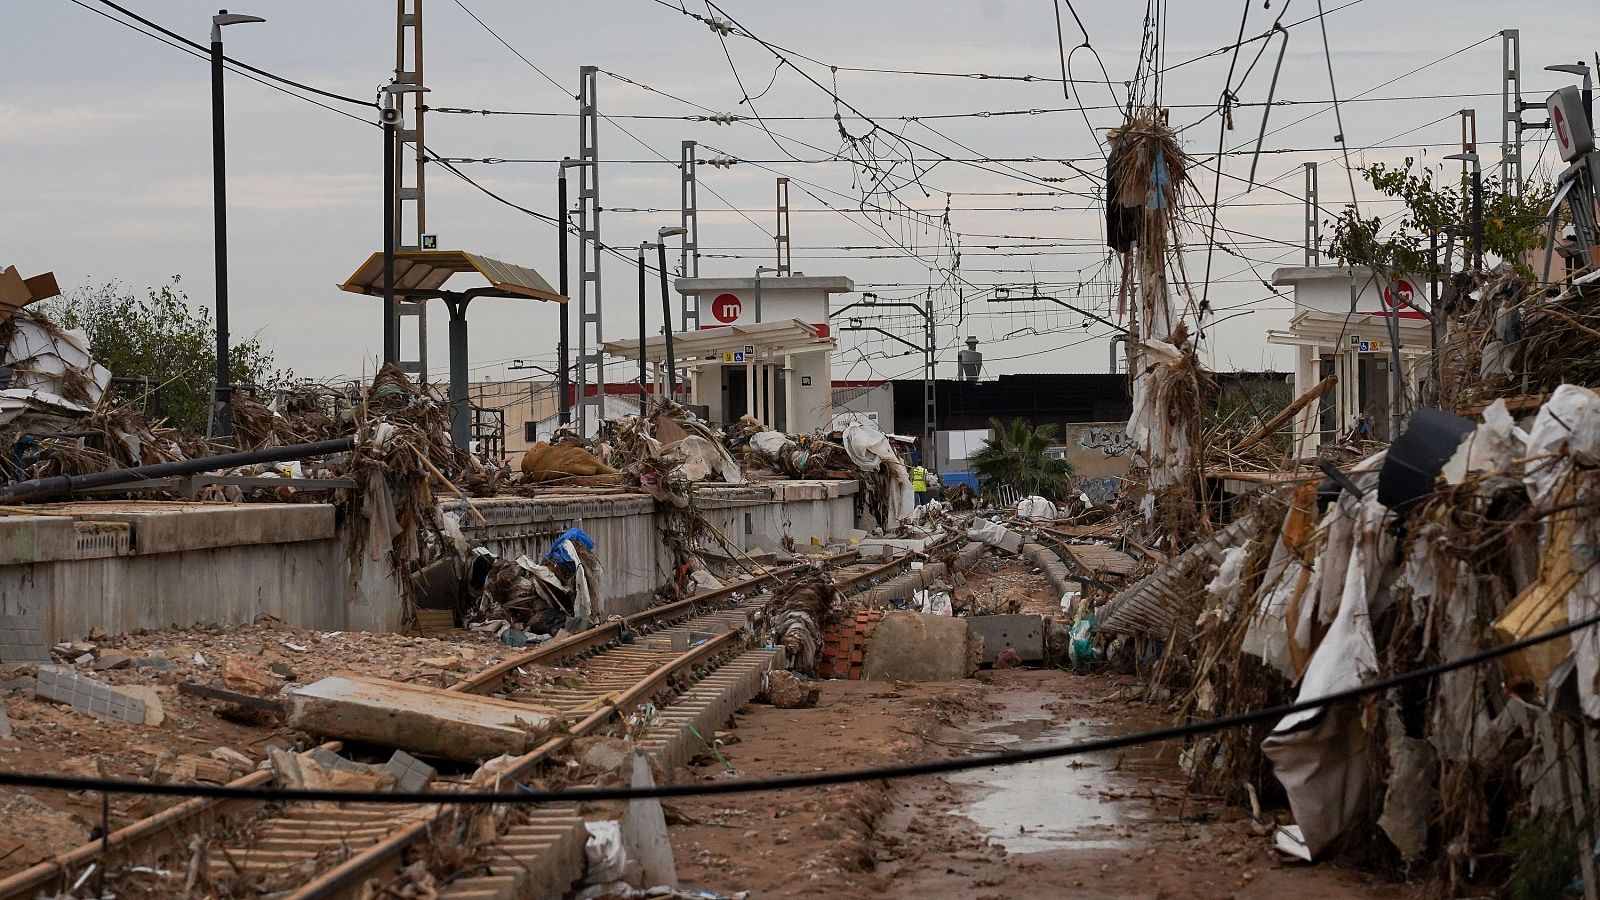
121,566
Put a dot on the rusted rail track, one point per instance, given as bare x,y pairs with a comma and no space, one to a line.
647,664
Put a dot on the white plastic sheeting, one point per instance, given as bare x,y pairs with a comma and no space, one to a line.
870,449
1036,507
1165,448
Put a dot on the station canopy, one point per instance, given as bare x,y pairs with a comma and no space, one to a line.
422,273
688,347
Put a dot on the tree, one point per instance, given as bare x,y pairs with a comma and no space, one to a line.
163,338
1016,456
1512,225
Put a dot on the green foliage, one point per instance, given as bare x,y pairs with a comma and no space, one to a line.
1016,456
161,337
1544,858
1511,226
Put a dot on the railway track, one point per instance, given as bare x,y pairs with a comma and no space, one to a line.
690,649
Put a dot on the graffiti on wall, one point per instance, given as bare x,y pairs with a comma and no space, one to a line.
1112,441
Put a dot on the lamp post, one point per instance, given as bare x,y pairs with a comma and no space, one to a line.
563,363
759,270
219,201
666,306
390,116
1580,68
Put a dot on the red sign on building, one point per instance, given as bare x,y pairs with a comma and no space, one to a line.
726,308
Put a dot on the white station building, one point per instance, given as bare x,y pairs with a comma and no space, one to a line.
1344,322
760,351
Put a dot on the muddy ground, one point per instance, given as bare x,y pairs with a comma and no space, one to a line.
1111,826
1119,825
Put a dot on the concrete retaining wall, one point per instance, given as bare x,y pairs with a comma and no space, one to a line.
122,566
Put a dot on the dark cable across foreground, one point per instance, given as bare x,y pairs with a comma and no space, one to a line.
790,782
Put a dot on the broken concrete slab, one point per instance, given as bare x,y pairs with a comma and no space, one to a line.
112,660
411,775
1022,633
912,646
86,695
22,641
428,721
644,830
882,546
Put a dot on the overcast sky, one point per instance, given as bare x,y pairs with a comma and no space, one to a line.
105,150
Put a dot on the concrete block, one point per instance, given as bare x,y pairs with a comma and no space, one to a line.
410,774
172,527
33,539
328,759
911,646
1024,634
88,696
893,546
22,640
421,720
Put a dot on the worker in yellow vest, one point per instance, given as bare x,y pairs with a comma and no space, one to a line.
919,483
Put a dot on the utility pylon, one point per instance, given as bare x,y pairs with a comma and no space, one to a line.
689,261
591,354
785,250
408,70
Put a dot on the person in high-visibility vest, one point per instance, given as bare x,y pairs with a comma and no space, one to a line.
919,483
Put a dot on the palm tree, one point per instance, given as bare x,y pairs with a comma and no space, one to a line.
1016,456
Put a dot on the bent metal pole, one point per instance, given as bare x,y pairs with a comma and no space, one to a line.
67,484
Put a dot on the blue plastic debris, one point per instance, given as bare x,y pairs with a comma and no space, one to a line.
558,552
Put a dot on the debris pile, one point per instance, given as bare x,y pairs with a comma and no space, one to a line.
1317,589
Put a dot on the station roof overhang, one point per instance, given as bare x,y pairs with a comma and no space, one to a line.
829,284
691,347
419,274
1316,328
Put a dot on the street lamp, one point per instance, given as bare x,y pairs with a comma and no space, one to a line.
759,270
1580,68
219,200
563,363
666,305
390,117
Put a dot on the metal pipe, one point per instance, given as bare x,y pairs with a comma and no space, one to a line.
67,484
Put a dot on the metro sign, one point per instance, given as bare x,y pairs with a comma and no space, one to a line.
726,308
1569,123
1400,297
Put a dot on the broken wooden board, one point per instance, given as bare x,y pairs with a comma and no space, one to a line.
421,720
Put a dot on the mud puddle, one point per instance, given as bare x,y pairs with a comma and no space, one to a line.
1053,804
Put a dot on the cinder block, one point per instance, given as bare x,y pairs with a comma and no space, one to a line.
22,640
88,696
410,774
1022,633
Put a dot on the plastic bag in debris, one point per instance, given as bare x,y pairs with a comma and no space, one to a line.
1036,507
607,857
558,551
935,603
995,535
867,447
1081,650
290,469
770,443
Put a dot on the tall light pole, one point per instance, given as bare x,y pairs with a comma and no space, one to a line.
219,201
390,116
666,306
759,270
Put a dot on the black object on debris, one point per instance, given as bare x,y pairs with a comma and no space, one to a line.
1416,458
